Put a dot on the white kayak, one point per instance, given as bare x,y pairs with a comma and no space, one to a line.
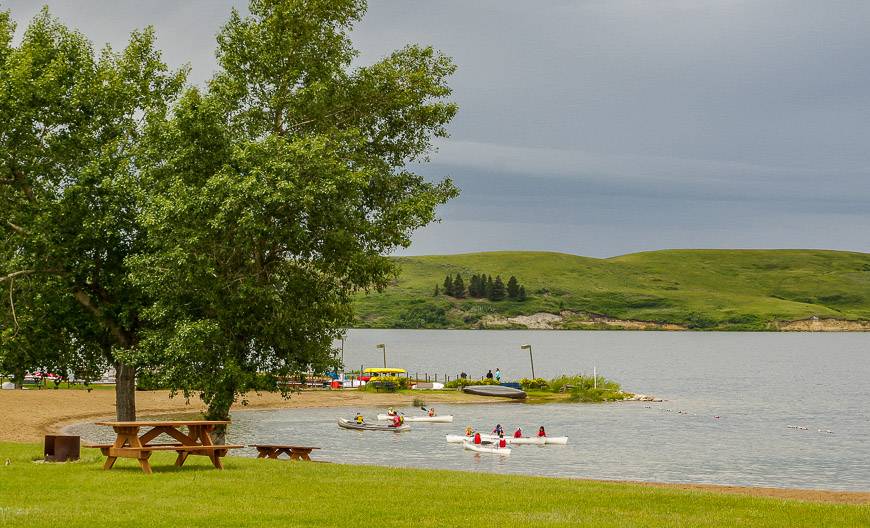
504,451
525,440
348,424
447,418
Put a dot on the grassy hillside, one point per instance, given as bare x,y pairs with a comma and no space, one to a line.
699,289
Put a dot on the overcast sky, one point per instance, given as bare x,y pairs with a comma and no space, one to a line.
604,127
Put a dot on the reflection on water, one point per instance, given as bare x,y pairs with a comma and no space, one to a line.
757,384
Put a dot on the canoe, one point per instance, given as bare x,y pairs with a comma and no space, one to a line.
447,418
348,424
504,451
561,440
495,390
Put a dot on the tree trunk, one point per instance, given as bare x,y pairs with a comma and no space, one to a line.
18,378
125,392
219,409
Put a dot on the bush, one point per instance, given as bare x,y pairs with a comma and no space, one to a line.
425,316
380,383
537,383
580,388
458,383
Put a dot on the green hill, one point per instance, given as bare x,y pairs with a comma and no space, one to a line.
695,289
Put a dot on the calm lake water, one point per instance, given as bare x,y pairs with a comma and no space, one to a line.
758,384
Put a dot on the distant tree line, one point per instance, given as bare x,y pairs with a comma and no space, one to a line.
482,287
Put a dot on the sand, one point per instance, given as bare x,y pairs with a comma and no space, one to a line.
27,415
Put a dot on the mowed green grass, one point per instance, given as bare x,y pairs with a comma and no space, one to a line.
704,289
262,493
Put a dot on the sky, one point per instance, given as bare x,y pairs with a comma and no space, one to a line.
605,127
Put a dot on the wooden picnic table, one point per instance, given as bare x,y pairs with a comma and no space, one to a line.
274,451
197,441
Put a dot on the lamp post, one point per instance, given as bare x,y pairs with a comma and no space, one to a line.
531,360
384,348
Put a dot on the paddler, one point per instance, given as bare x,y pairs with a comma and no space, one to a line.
541,432
477,438
469,430
518,433
502,443
359,418
498,429
398,421
431,411
391,412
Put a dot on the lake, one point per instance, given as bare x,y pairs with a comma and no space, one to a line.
758,384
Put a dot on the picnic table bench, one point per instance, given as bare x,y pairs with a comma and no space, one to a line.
274,451
197,441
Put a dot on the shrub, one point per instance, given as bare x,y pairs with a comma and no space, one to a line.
537,383
458,383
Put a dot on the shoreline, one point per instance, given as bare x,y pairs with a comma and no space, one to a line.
31,414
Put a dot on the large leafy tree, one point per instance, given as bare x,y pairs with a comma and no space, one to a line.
276,194
70,124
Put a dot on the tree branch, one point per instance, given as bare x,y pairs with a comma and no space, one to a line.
12,303
15,274
115,329
18,229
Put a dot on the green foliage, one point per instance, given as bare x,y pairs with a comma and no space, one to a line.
271,198
701,289
425,316
580,388
458,383
387,383
71,123
458,287
497,292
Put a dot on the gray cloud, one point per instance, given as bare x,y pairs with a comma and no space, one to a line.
608,126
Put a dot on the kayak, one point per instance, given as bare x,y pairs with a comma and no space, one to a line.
504,451
447,418
348,424
525,440
495,390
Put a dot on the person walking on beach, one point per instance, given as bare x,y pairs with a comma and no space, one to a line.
489,374
498,375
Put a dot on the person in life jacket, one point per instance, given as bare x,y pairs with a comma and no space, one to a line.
359,418
498,429
477,438
501,441
398,421
518,433
431,411
469,431
391,412
541,431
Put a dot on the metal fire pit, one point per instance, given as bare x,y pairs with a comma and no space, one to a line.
61,448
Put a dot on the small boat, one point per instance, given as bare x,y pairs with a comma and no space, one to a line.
349,424
495,390
447,418
504,451
524,440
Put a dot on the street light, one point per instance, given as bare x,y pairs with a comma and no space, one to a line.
384,348
531,360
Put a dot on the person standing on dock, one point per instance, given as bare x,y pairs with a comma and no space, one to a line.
498,374
489,374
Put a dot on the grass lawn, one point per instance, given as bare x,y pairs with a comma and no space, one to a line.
700,289
251,492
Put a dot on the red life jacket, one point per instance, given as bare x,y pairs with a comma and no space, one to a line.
518,434
502,442
397,421
477,438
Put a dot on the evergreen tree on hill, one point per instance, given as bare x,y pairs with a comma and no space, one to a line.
521,295
448,285
458,287
487,289
513,287
498,289
472,286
